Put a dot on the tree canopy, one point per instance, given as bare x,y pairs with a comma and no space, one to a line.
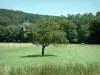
15,26
47,32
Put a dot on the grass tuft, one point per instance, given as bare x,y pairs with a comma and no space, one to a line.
51,69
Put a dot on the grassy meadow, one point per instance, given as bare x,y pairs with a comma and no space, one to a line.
57,56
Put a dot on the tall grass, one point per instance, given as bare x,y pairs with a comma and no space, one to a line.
51,69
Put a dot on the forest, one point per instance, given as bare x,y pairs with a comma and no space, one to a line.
17,26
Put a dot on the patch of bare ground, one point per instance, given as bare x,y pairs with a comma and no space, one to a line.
17,44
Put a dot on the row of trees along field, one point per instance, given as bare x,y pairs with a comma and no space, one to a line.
18,26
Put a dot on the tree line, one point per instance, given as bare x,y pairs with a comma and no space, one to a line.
18,26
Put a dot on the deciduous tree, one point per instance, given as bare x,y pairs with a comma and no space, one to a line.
46,33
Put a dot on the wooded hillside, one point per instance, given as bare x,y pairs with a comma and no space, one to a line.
15,26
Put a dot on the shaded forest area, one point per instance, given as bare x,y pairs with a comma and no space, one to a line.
16,26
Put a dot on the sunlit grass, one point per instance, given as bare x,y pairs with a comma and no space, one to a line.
51,69
72,53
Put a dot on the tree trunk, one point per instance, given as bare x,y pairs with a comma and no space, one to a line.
43,46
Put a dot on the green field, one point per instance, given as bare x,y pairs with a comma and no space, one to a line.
59,55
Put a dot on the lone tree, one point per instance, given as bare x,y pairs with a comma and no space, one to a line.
47,32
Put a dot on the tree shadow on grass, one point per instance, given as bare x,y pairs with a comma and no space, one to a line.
34,56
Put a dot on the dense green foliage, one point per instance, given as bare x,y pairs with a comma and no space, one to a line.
15,26
47,32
